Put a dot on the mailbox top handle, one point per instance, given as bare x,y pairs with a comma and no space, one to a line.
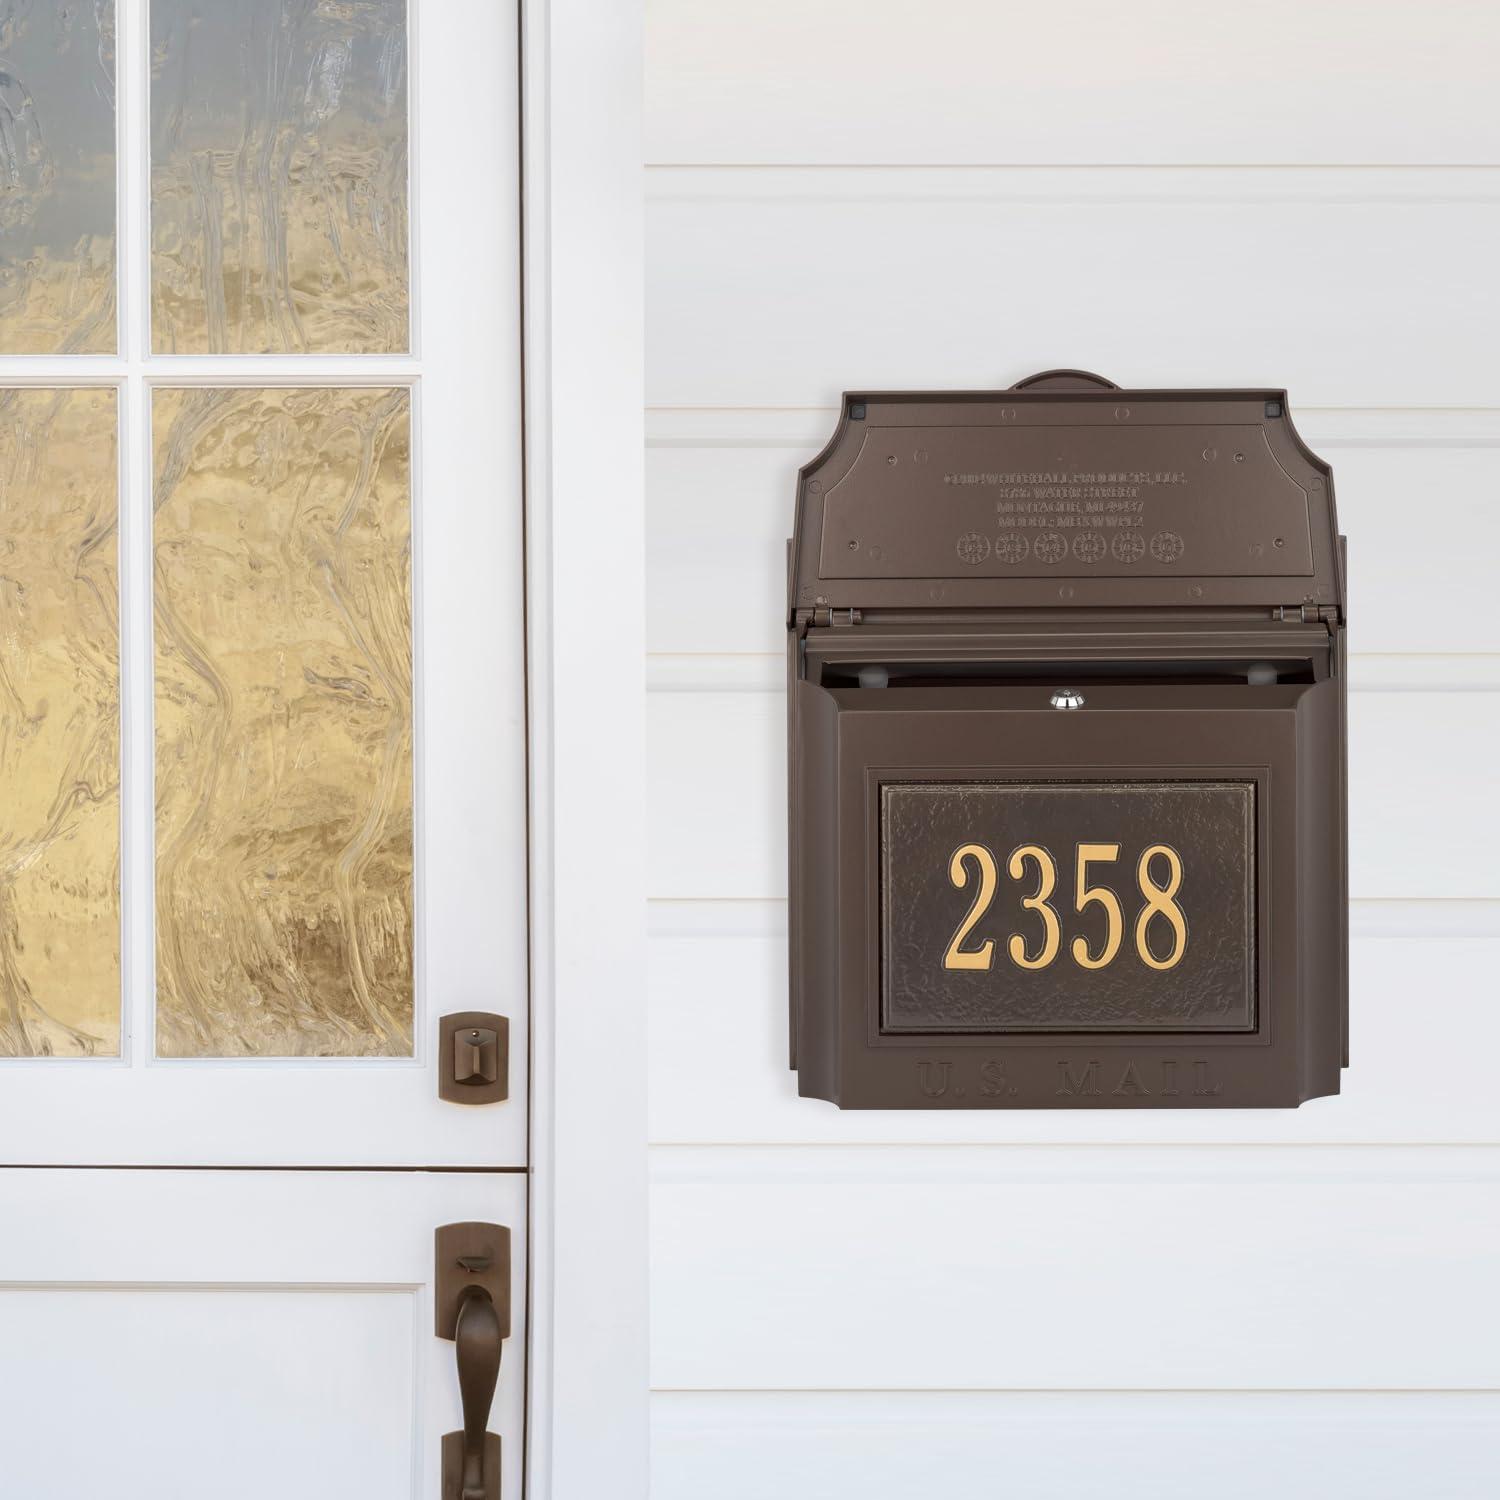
1065,380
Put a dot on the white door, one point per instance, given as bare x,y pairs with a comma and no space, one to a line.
262,734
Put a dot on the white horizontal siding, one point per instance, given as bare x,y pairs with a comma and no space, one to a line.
780,287
1290,1303
1129,1268
1072,81
1057,1445
719,1047
1424,820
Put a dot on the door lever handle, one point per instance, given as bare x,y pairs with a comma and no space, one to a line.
478,1339
471,1302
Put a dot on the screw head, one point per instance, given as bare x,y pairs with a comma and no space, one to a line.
1067,698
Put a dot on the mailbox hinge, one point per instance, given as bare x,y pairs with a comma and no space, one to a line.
836,617
1311,614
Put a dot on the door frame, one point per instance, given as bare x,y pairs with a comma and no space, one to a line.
584,398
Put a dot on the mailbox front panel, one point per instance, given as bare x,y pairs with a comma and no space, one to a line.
1084,975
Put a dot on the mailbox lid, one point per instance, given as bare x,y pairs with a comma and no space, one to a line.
1066,491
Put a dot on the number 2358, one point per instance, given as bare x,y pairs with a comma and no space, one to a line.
1042,947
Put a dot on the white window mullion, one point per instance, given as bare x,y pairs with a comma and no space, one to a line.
137,815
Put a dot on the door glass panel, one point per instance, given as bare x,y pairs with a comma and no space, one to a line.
278,177
59,724
57,177
282,547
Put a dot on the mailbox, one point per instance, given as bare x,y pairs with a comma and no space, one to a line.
1066,739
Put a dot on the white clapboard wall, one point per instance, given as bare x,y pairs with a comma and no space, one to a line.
1300,193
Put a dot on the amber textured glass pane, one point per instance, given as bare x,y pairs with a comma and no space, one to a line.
278,176
59,725
57,177
283,722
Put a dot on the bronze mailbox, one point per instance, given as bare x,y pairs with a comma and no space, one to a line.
1066,730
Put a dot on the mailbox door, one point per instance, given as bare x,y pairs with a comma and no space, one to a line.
1075,909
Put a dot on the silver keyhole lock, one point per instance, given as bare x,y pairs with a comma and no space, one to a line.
1067,698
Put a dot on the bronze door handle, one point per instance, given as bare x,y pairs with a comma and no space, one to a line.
478,1339
471,1306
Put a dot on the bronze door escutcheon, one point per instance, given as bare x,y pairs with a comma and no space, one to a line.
471,1296
473,1057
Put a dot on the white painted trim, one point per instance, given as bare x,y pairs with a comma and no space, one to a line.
583,296
927,182
1184,1165
1077,1445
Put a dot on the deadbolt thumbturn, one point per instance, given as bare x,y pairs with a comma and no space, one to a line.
473,1057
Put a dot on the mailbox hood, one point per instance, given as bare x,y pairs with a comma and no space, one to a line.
1069,492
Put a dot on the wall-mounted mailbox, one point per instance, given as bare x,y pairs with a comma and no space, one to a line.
1066,741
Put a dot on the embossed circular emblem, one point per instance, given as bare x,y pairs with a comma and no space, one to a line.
1089,547
973,548
1128,546
1011,547
1166,546
1050,547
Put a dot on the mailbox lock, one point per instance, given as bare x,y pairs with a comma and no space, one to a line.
1067,698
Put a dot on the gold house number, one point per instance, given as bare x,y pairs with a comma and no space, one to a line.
1161,901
